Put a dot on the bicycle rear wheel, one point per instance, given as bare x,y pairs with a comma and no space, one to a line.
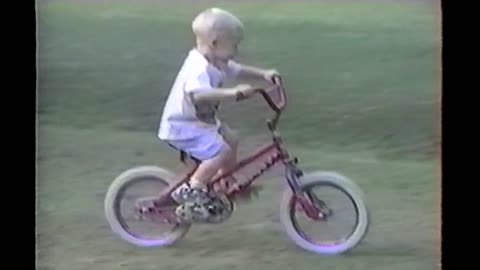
120,209
346,217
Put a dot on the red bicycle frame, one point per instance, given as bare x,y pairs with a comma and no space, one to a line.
276,153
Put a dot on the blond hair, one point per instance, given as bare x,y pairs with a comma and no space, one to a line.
215,23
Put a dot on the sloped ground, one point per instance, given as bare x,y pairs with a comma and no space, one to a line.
362,102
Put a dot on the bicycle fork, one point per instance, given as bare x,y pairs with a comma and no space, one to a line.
293,174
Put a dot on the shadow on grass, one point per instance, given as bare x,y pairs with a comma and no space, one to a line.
391,249
208,246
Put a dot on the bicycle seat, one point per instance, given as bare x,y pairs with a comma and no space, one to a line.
184,155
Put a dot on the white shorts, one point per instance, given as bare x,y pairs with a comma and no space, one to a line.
206,145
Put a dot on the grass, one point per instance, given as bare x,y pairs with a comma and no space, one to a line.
361,81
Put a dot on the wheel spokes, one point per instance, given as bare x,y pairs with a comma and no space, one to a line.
321,206
332,228
138,213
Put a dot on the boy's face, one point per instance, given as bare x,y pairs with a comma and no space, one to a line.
225,49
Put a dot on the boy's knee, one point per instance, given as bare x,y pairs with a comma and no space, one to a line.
227,152
230,137
228,158
234,140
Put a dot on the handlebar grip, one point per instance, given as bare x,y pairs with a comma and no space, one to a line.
239,96
277,80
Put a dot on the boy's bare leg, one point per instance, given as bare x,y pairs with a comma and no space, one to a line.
232,140
208,168
193,197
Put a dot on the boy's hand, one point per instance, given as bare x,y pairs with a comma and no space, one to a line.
244,91
269,75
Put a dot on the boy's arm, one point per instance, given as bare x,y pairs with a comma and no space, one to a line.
246,72
222,94
250,72
214,94
199,89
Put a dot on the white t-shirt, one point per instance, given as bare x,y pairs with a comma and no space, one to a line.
181,119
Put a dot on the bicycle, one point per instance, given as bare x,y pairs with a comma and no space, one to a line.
298,197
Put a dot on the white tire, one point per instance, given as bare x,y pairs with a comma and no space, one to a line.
111,203
356,196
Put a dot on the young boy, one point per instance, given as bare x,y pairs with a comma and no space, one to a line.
189,121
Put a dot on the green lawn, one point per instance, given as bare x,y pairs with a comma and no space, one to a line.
362,82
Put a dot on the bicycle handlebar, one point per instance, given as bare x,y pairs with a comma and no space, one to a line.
268,99
276,107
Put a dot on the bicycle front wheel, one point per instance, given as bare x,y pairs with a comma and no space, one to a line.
345,219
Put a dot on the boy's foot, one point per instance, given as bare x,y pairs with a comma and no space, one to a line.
191,211
196,204
186,193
